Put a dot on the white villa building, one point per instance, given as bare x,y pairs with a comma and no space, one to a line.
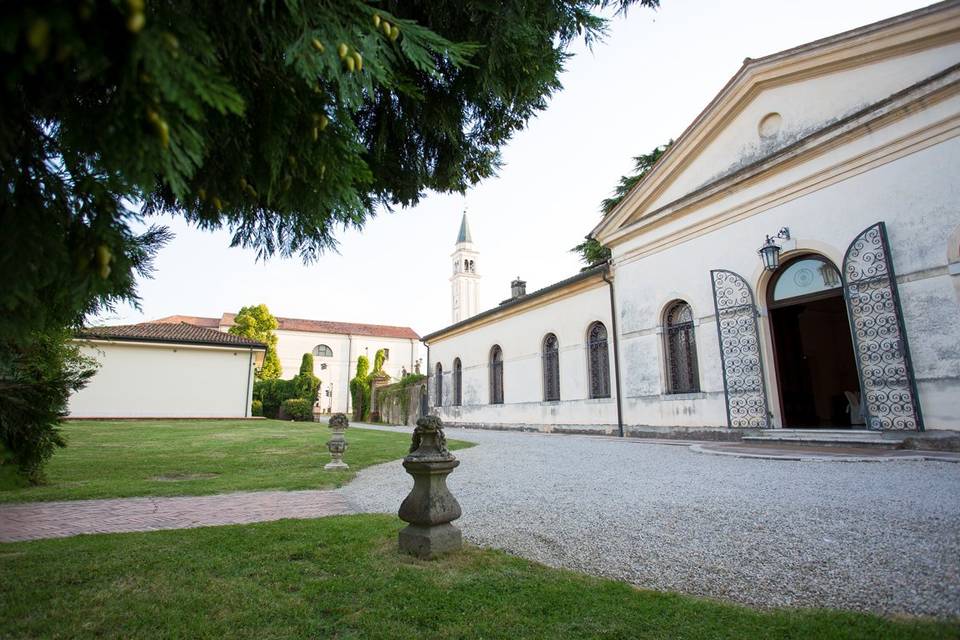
335,347
840,159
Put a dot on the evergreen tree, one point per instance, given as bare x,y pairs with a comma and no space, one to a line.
280,121
36,381
257,323
360,389
591,251
306,364
307,384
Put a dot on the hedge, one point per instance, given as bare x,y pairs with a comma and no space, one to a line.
297,409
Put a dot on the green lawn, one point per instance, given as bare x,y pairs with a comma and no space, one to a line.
174,458
342,578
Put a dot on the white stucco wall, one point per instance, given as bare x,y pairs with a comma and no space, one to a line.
138,380
341,367
804,106
915,194
521,337
900,170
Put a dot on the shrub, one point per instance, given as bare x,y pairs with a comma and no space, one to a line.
360,389
412,378
297,409
272,393
37,376
378,359
306,364
305,382
256,408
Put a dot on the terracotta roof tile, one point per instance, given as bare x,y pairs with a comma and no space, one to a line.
212,323
168,332
314,326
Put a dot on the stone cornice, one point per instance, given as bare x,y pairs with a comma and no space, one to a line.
918,30
845,131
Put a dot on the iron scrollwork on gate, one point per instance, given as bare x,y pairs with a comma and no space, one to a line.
887,386
743,382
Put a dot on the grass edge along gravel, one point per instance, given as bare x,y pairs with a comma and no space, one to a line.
342,577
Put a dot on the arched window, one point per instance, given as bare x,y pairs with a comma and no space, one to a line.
681,349
323,351
599,354
439,384
804,277
551,368
496,375
457,382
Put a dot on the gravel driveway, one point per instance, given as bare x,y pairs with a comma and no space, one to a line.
875,536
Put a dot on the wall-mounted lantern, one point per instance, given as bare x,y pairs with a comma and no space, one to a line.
770,251
830,276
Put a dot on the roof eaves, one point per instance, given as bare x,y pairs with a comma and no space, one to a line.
727,180
583,275
258,346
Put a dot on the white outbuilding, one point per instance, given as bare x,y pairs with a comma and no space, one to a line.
163,370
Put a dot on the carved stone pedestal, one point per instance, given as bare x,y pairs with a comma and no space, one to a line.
430,507
337,444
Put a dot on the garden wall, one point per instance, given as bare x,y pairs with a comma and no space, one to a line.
397,403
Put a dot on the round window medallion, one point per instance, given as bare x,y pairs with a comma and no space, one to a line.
770,125
803,277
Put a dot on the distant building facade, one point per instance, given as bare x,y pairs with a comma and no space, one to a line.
839,159
335,347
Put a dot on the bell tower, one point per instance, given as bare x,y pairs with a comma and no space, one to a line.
465,281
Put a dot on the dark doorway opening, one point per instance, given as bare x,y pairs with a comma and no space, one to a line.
813,352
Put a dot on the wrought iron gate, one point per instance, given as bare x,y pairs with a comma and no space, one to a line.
743,384
888,390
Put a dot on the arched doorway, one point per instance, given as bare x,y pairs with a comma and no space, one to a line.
813,351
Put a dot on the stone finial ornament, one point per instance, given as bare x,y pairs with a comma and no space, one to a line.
430,507
337,444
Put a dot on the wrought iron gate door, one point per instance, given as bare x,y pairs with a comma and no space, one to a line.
743,384
887,387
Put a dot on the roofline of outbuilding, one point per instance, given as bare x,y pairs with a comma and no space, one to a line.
586,274
88,337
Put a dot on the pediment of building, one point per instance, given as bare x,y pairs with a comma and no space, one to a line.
773,103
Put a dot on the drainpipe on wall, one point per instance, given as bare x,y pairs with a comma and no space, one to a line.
246,397
425,406
412,352
616,347
349,363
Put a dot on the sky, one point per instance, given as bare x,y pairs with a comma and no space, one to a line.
639,88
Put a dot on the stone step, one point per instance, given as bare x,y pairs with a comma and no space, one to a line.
827,437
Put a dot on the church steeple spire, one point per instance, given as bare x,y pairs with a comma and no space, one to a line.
464,235
465,281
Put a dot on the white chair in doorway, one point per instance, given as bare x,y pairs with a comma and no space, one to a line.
854,408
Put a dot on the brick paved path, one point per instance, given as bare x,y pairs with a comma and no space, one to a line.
36,520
